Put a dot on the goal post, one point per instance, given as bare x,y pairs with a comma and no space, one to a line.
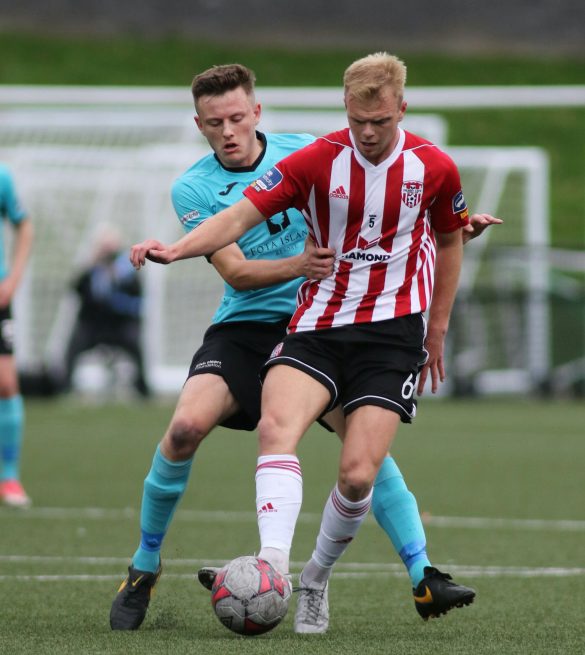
506,271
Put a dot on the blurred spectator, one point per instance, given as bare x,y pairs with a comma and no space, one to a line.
110,311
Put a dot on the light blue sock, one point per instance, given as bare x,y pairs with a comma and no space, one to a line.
11,424
396,511
163,488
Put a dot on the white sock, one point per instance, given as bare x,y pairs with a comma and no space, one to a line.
279,494
339,525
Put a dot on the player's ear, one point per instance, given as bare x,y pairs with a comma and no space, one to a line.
198,122
403,107
257,112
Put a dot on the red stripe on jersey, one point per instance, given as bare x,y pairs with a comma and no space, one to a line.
392,204
355,211
321,196
322,217
376,284
305,297
334,302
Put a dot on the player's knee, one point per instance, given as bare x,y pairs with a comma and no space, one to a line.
183,437
274,438
355,480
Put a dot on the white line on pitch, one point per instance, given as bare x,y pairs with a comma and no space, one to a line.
471,572
220,516
342,570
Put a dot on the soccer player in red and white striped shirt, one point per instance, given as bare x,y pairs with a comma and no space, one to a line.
391,205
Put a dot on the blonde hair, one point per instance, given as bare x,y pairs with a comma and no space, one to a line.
366,77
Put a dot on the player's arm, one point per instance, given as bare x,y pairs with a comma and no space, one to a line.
212,234
447,269
245,274
20,253
477,224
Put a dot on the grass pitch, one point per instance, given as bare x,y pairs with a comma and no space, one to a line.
500,485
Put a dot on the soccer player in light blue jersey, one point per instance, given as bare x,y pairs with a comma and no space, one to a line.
12,492
262,272
209,186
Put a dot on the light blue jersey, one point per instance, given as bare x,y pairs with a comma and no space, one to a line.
207,187
10,209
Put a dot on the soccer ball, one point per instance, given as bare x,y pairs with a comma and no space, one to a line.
249,596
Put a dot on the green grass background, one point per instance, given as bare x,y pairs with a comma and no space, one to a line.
491,458
35,59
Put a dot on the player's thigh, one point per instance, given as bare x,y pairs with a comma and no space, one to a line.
370,432
204,402
335,420
291,402
8,376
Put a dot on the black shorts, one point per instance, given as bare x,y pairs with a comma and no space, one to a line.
365,364
6,332
237,351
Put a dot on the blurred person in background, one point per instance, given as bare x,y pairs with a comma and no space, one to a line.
12,492
110,310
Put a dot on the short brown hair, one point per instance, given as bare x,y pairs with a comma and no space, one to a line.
217,80
365,78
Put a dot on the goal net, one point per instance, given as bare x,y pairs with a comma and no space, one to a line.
85,157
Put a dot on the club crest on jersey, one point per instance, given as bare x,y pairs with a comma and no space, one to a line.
459,204
268,181
412,193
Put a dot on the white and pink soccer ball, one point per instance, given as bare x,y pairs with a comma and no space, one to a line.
249,596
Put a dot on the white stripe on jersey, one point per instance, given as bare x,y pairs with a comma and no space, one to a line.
313,224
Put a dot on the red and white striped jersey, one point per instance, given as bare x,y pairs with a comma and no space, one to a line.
379,219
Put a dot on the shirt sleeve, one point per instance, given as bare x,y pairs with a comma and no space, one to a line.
287,184
449,210
190,205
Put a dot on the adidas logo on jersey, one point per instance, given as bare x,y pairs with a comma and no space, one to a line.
339,193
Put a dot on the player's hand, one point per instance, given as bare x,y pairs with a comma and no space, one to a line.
434,345
477,224
316,263
149,249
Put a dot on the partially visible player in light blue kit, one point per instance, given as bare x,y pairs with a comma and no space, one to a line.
210,187
261,272
12,492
